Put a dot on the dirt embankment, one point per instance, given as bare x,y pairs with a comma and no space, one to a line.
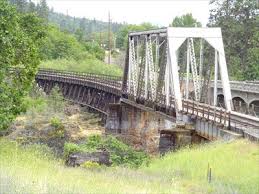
73,125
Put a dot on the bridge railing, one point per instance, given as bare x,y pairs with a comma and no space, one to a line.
112,81
204,111
230,119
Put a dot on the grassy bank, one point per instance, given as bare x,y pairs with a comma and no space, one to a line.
235,168
87,65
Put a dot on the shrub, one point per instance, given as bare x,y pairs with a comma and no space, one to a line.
56,123
90,165
59,127
94,142
70,148
123,154
89,64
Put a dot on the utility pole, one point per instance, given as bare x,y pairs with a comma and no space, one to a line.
109,38
100,39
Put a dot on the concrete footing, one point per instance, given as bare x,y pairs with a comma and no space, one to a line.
146,129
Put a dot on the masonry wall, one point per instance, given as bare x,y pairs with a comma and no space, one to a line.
147,130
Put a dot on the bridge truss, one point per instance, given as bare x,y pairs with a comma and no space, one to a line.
162,68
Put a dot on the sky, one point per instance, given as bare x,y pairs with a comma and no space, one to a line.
158,12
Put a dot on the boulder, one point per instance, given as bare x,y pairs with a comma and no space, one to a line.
101,157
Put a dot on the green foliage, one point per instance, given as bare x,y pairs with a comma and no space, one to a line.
122,34
234,170
238,20
186,20
90,165
37,104
252,71
59,127
20,34
94,142
88,65
60,45
65,47
56,123
43,10
70,148
94,49
35,99
121,153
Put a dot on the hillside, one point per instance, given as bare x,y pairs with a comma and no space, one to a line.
88,26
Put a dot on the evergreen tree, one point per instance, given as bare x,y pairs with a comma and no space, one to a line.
43,9
239,22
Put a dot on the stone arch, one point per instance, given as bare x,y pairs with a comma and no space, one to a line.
221,100
239,104
238,98
254,107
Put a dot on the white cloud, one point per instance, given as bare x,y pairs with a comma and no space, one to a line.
157,12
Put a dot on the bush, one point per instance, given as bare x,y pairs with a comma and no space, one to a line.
56,123
94,49
121,153
87,65
59,127
90,165
70,148
94,142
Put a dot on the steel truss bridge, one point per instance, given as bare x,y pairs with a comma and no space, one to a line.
99,91
162,74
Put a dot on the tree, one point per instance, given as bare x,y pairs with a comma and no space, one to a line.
122,35
79,35
20,35
239,22
21,5
186,20
43,9
31,7
58,44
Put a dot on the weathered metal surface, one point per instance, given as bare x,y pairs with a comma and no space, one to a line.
94,91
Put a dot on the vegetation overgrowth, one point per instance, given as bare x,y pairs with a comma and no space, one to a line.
120,154
20,37
33,169
88,65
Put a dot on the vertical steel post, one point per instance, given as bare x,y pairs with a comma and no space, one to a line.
215,79
126,71
146,67
187,72
201,58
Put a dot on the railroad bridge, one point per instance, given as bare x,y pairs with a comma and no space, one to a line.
165,92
